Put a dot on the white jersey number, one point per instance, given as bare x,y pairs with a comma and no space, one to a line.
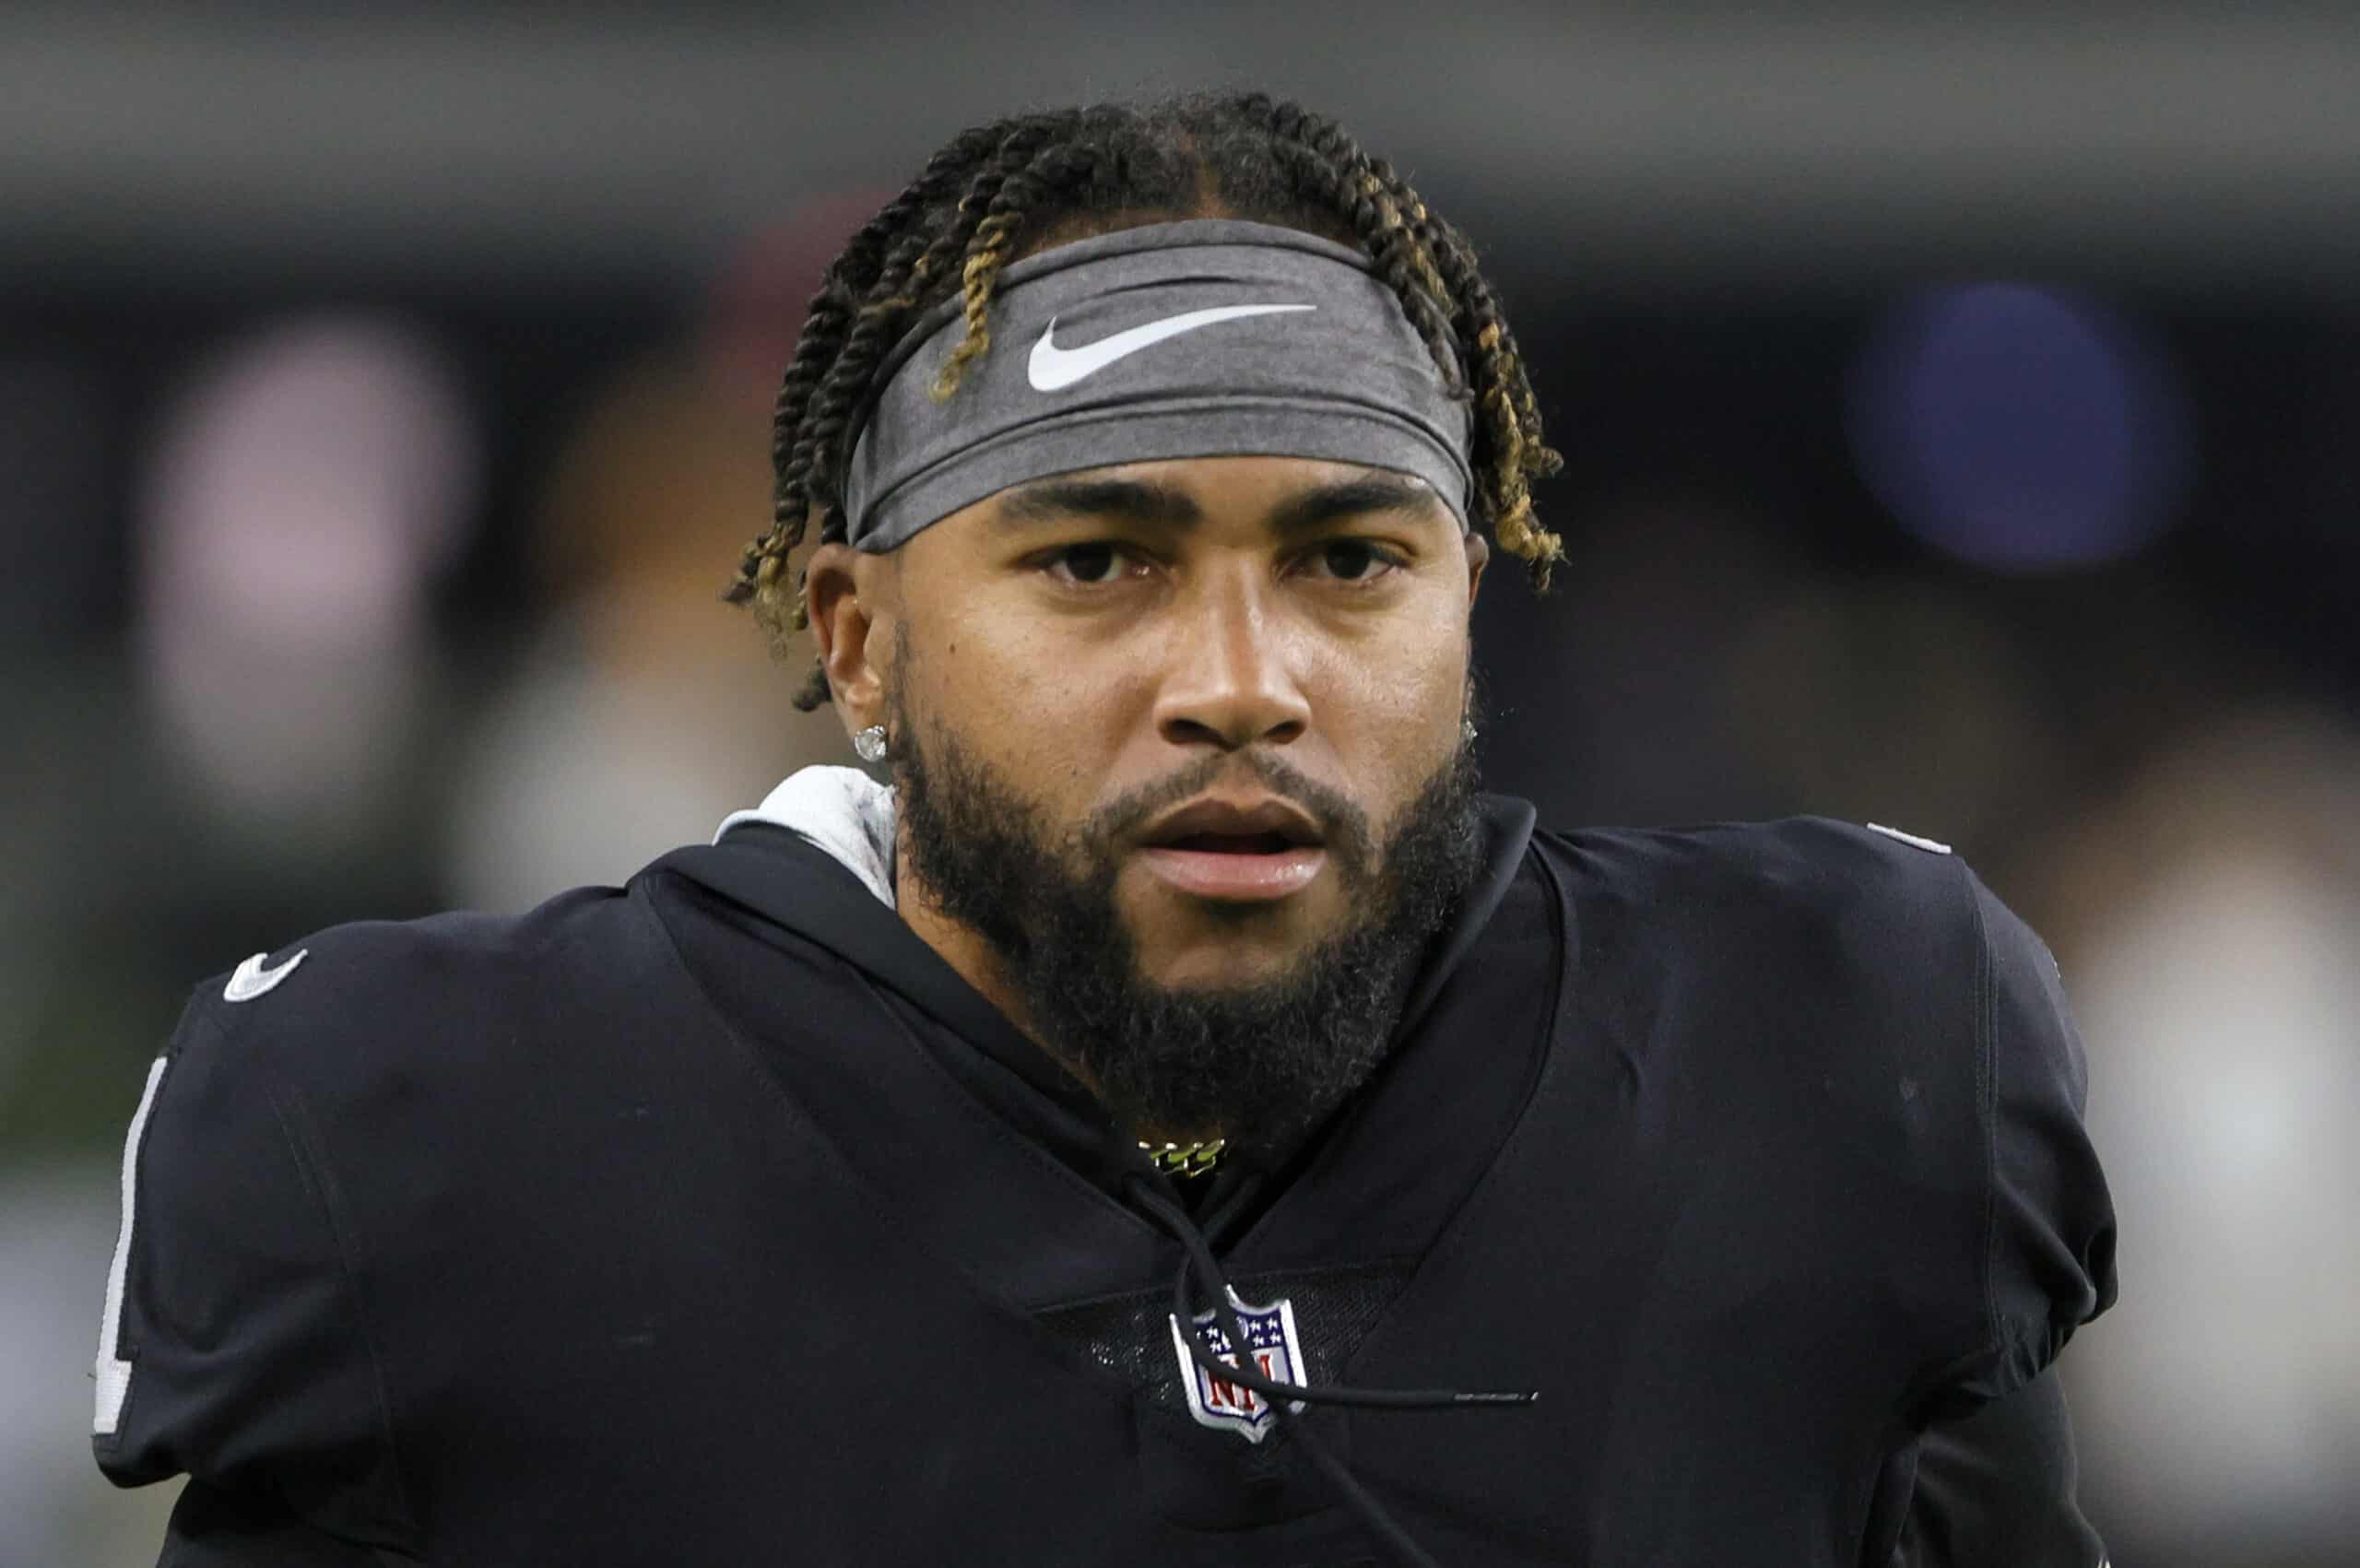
113,1372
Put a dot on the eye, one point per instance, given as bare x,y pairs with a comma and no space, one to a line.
1089,565
1353,560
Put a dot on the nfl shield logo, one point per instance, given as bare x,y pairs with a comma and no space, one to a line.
1278,1355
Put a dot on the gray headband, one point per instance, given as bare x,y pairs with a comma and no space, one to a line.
1203,339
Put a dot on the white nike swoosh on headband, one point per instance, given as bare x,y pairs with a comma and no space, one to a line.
1052,368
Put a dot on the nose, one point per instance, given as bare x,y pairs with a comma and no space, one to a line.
1232,681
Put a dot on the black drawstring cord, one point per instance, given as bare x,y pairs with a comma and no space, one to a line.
1283,1395
1200,1255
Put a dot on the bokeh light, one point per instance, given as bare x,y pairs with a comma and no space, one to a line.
2217,994
306,485
2019,428
642,703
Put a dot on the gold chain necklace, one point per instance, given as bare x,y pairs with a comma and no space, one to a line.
1177,1160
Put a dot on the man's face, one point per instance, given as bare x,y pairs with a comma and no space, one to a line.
1179,756
1239,671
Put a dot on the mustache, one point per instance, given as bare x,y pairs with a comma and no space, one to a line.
1342,824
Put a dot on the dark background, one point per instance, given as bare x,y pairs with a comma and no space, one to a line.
1960,412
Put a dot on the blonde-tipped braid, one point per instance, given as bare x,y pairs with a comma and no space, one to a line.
997,187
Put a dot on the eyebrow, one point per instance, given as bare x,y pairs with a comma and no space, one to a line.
1158,506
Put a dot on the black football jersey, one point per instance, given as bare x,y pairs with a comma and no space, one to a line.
714,1219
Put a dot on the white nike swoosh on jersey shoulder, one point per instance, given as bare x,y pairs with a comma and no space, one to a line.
252,979
1051,369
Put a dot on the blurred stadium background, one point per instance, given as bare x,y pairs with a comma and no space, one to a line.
1963,417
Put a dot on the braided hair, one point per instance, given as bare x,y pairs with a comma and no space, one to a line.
1025,183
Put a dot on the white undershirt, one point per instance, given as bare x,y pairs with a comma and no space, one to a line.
844,811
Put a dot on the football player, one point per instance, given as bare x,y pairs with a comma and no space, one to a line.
1179,1118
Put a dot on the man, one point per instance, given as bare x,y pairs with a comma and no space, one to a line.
1180,1120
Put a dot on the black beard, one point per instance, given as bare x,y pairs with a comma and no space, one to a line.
1261,1063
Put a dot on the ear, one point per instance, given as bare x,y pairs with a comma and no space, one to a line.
1478,554
842,625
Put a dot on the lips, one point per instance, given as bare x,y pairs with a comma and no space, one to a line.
1262,824
1236,851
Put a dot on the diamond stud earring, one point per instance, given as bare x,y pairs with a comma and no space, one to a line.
871,744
